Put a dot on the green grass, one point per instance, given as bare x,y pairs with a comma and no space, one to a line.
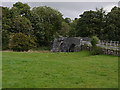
59,70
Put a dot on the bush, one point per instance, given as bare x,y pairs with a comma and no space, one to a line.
21,42
94,41
97,51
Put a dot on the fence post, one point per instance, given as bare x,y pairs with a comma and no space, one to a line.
111,43
106,43
118,43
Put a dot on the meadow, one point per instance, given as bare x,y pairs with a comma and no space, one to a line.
59,70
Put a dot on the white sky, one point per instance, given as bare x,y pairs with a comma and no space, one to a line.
60,0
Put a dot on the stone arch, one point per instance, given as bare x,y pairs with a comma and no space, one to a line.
72,48
61,47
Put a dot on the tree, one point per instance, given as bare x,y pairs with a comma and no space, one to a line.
15,20
20,9
112,28
6,20
73,31
6,27
5,39
90,23
67,20
64,32
23,25
46,23
100,22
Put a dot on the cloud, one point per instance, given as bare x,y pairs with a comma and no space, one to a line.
109,7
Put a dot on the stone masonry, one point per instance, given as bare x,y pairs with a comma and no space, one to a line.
68,44
75,44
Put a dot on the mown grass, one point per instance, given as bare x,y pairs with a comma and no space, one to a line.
59,70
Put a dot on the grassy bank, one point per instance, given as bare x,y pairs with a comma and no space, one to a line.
59,70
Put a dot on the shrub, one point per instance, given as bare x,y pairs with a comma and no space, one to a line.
21,42
97,51
94,41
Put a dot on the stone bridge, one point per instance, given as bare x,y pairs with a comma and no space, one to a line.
69,44
75,44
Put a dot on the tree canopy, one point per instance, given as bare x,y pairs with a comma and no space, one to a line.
46,22
91,23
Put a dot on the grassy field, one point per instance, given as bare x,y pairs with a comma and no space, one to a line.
59,70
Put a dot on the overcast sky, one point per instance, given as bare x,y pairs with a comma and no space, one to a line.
70,9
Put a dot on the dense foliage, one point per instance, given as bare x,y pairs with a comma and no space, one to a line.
97,51
98,23
21,42
112,28
90,23
23,25
45,23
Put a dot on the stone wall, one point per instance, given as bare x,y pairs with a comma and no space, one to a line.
76,44
114,52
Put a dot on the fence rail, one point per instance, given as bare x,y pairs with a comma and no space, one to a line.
109,44
108,47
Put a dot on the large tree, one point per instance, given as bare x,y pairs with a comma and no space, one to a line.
46,22
112,28
15,20
90,23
